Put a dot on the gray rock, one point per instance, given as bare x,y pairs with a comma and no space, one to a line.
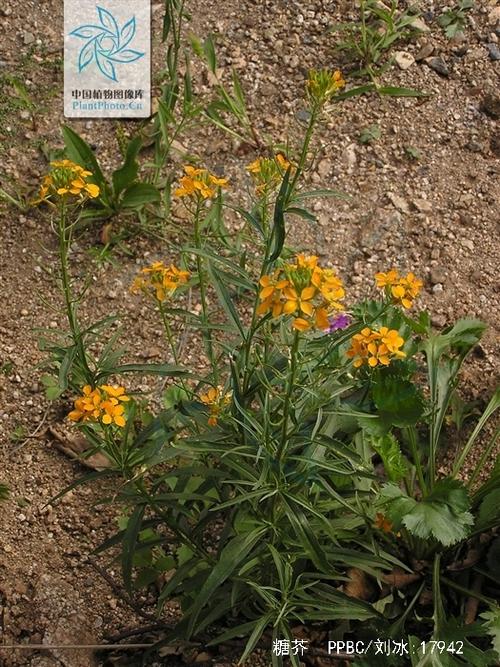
491,106
438,65
426,50
422,205
493,51
28,38
438,275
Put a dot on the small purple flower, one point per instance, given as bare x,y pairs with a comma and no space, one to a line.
340,321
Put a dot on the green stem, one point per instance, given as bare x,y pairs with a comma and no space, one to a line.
64,241
412,438
168,333
289,391
305,148
206,333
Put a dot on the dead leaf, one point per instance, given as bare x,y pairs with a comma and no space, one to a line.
359,585
74,446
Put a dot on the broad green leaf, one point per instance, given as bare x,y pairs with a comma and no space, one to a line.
139,194
443,515
127,173
489,510
399,401
80,152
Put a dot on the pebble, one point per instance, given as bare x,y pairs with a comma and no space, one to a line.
493,51
349,157
437,288
422,205
398,202
403,59
491,106
28,38
438,65
426,50
438,275
494,15
420,24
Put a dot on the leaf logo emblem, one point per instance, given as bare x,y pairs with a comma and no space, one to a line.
106,44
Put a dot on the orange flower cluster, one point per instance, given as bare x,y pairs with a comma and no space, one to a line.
216,400
304,290
402,290
322,85
102,404
268,172
159,280
199,183
67,178
376,347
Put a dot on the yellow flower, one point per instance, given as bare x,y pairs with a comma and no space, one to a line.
302,289
159,280
382,523
199,183
402,290
102,404
268,172
375,347
322,85
67,178
216,399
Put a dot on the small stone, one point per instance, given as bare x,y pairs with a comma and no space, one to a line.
28,38
21,517
24,312
438,320
437,288
403,59
422,205
495,143
494,16
474,146
398,202
493,51
435,253
426,50
420,24
349,157
467,243
438,65
491,106
438,275
303,115
324,167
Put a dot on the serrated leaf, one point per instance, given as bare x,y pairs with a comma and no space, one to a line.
443,515
390,452
399,401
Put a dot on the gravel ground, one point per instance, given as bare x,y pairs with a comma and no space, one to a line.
436,215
